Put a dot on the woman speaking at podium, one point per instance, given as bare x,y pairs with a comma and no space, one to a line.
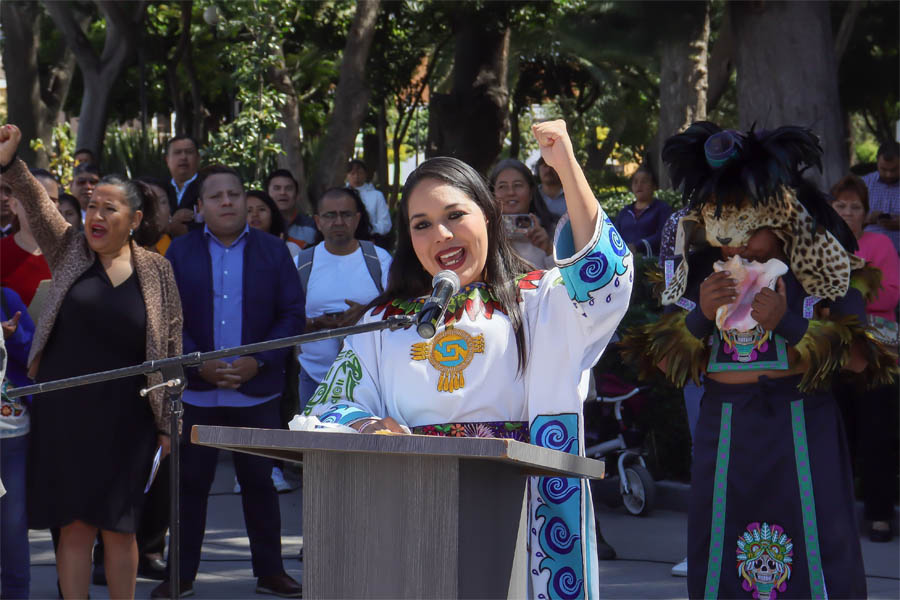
509,357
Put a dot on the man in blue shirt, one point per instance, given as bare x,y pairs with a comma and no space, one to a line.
239,286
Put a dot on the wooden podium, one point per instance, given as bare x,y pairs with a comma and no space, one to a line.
409,516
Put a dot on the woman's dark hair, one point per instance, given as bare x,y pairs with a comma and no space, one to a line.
364,229
277,228
359,163
648,171
73,201
537,204
148,230
150,180
408,279
135,195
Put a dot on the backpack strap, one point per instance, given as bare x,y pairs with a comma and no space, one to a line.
372,263
304,266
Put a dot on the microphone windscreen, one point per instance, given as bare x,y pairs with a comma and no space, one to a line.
449,276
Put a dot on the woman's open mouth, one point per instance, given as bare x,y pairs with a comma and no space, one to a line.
98,231
452,258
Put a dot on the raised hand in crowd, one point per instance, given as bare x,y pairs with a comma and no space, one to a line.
557,152
10,136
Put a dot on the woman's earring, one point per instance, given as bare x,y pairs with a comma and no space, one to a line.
131,233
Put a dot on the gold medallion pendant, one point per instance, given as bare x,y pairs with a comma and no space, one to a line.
450,352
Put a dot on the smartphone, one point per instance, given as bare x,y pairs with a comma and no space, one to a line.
518,225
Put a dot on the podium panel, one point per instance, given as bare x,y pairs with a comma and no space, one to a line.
409,516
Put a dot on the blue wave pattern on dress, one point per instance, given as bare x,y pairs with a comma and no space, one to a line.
602,266
560,502
343,414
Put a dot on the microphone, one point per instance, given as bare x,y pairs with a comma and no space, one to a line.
445,284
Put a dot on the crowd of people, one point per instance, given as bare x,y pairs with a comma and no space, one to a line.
112,272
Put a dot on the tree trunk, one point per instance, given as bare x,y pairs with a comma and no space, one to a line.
471,121
123,20
381,132
171,71
33,104
351,100
289,135
515,135
94,105
683,77
845,31
795,37
720,62
199,112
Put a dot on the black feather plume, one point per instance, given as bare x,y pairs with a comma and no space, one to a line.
761,166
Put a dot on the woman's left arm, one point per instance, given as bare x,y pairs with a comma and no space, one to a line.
556,149
49,227
585,301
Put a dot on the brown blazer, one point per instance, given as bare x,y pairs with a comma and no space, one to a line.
69,256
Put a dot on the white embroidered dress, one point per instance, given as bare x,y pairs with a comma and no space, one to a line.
467,375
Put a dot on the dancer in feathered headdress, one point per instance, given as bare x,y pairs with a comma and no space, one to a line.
738,182
772,301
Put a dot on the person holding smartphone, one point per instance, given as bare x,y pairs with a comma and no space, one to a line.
525,215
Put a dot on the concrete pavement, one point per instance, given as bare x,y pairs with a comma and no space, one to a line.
647,547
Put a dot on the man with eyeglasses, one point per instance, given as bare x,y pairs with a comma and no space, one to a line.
84,180
339,277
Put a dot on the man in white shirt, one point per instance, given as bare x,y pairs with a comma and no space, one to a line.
339,276
376,205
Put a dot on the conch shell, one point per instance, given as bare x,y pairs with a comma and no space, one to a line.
751,277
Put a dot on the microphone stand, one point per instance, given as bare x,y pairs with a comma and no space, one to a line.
174,382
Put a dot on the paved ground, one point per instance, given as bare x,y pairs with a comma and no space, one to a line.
647,549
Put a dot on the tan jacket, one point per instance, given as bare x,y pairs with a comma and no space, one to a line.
69,256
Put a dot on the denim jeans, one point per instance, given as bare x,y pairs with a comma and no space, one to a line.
692,395
15,560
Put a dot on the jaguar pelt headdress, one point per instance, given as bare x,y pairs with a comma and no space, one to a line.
736,183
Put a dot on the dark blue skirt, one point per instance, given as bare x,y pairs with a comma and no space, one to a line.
771,512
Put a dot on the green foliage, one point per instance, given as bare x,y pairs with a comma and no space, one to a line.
868,70
61,152
248,143
133,152
866,151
